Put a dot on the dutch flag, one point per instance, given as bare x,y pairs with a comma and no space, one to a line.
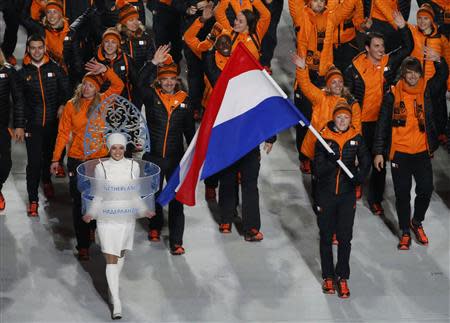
246,107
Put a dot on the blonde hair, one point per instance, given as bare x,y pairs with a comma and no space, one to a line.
78,95
47,25
128,33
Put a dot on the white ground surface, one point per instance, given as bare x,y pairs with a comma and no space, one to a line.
222,278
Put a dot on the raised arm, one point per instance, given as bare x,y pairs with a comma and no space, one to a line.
264,18
116,86
220,14
314,94
190,38
296,9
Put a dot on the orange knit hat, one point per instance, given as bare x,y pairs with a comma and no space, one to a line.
126,11
333,73
168,69
97,80
112,33
426,10
55,4
342,107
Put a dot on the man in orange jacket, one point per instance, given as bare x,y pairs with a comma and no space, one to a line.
406,134
368,78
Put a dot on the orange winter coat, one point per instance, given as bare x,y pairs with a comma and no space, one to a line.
251,41
54,41
37,9
311,36
322,106
409,138
437,42
198,47
373,77
347,16
73,123
191,40
296,10
382,10
341,13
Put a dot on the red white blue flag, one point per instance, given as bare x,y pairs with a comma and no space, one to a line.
246,107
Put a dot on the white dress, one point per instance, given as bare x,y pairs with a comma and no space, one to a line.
117,234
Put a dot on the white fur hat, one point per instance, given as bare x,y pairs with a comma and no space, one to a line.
116,139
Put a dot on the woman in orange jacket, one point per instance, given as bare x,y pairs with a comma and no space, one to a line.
323,102
247,28
71,131
429,42
314,19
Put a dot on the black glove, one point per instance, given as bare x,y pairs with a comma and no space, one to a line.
333,157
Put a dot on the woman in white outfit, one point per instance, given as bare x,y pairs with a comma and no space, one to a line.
116,234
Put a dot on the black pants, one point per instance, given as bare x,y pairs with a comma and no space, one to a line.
5,156
82,229
167,29
269,42
404,167
377,178
248,166
176,214
344,54
40,143
11,18
213,180
195,79
336,215
305,107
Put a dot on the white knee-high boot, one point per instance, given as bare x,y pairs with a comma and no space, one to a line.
112,276
120,262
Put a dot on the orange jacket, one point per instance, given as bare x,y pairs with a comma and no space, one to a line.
239,5
444,4
311,36
37,9
437,42
346,16
340,12
383,9
54,41
322,106
190,38
296,10
373,77
408,138
73,123
249,41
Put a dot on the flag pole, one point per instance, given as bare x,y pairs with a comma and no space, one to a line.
310,127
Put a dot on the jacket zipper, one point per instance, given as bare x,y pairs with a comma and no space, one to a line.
131,49
43,96
169,114
338,174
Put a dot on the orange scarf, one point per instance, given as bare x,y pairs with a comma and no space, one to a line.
399,111
171,101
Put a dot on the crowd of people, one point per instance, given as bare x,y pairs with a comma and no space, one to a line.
374,85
